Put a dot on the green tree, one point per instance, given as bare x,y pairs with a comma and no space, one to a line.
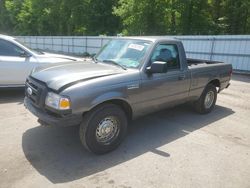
218,17
195,17
145,17
9,10
100,18
132,17
5,22
237,16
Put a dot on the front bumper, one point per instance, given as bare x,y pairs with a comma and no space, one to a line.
47,119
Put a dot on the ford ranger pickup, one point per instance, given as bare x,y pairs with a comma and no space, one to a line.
129,77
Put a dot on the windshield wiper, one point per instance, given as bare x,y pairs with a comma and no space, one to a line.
114,63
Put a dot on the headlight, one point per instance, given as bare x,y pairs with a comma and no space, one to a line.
56,101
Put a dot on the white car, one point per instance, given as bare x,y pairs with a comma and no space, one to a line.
17,61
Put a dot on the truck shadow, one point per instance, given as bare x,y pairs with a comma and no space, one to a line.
57,154
12,95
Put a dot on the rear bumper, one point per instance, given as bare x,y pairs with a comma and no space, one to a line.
47,119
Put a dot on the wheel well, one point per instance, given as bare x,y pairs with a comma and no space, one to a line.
216,83
121,103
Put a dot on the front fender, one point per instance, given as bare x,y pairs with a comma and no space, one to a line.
112,95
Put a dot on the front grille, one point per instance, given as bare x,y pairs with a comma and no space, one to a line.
34,95
38,91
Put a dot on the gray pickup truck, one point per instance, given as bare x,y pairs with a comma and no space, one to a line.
128,78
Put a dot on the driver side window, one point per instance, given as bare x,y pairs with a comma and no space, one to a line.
9,49
167,53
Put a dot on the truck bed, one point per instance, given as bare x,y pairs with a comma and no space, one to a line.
194,62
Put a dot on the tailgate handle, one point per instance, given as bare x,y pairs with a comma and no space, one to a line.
182,77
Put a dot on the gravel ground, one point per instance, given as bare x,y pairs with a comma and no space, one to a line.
171,148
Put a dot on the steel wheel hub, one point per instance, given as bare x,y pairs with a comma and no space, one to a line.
107,130
209,99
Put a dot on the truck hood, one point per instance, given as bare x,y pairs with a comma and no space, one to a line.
66,74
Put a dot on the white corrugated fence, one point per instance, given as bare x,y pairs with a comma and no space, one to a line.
234,49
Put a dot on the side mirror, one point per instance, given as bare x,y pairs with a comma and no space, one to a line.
158,67
24,54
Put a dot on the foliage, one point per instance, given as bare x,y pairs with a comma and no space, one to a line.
145,17
131,17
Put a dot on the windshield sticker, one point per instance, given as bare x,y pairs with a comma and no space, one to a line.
136,47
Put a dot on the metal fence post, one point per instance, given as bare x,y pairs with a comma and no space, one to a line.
44,43
86,44
68,45
62,44
73,45
30,42
36,43
101,42
52,43
212,49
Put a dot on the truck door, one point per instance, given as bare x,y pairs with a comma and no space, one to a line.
165,89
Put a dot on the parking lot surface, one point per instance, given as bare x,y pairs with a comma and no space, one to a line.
170,148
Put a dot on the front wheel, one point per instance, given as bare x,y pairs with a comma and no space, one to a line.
207,100
103,129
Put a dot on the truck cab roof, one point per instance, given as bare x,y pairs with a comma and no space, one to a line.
151,38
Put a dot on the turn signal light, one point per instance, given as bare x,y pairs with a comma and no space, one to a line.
64,103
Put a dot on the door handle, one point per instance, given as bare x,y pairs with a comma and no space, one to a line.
182,77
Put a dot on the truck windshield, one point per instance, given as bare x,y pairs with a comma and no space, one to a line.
127,53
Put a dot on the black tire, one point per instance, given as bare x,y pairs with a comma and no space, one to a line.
90,124
200,106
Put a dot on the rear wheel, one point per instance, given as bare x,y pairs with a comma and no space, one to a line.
207,100
103,129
